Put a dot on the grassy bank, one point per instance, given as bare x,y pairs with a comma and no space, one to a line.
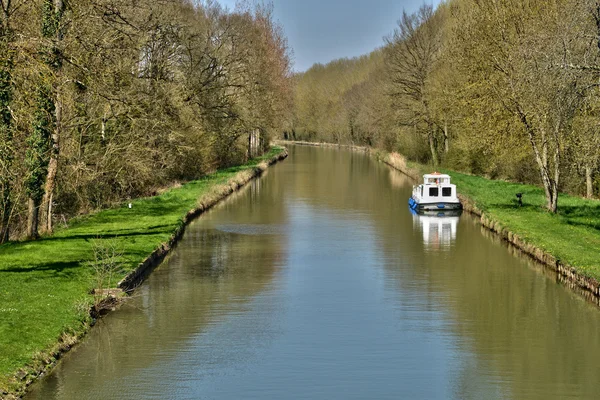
45,284
571,236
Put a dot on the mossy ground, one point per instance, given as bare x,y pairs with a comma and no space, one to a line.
45,284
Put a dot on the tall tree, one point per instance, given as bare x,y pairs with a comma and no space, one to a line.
52,30
412,52
37,155
517,50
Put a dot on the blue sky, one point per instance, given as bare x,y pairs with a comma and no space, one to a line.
324,30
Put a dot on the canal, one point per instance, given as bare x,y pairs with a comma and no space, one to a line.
316,282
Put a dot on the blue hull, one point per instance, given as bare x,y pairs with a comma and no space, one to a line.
414,205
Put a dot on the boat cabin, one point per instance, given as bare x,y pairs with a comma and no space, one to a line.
436,179
436,192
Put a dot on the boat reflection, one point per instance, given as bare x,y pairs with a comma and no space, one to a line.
438,227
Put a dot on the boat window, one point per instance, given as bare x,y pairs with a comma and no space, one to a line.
446,192
434,192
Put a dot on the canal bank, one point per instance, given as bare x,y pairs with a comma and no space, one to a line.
45,285
567,243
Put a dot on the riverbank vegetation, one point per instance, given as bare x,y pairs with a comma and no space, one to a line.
45,295
106,100
570,235
507,90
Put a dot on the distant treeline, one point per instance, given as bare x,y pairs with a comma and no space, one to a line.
104,100
507,89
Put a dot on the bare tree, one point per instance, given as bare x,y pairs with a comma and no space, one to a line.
411,55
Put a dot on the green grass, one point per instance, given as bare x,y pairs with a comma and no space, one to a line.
572,235
45,284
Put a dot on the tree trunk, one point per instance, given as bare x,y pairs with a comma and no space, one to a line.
446,139
553,201
49,226
32,220
46,207
547,188
434,157
556,178
255,143
589,183
550,184
6,210
541,158
250,145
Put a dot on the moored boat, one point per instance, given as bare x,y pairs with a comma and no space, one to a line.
436,193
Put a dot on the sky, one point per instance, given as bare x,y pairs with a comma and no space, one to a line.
320,31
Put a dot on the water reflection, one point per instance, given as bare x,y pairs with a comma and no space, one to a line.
439,230
219,268
399,180
318,283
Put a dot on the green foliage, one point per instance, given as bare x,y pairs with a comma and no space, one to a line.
51,26
5,93
51,18
342,102
6,97
6,129
146,94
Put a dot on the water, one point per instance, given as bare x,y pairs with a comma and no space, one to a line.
316,282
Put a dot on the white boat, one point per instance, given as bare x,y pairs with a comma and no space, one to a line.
435,194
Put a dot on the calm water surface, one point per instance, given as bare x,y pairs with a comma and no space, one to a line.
317,283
